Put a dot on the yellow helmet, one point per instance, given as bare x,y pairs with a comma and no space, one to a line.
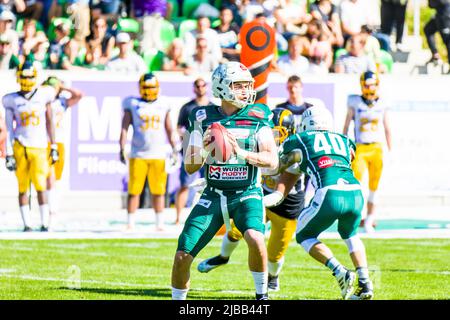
284,124
369,85
27,76
149,87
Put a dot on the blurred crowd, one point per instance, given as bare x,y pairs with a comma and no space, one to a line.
194,36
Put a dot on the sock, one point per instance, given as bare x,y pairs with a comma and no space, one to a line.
131,219
334,265
25,212
179,294
228,246
51,200
363,274
45,214
260,279
159,220
275,267
369,219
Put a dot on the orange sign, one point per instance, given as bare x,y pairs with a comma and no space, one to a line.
258,46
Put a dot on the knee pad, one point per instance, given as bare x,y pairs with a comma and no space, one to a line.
309,243
372,197
354,244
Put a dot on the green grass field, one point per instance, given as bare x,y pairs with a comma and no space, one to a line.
140,269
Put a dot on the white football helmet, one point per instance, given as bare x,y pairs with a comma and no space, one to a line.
225,76
317,118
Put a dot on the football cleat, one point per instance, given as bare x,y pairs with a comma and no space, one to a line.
262,296
346,282
209,264
364,291
44,229
27,229
273,283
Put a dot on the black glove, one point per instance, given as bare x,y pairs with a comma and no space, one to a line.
54,154
10,163
122,157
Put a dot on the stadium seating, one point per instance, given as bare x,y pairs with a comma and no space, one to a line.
189,7
153,59
168,33
129,25
186,26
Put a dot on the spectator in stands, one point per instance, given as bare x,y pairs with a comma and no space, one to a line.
202,61
201,99
106,8
100,39
62,50
440,22
228,32
320,52
327,12
33,42
128,61
372,47
12,5
8,60
355,61
353,17
203,30
80,13
234,7
393,13
294,62
175,59
291,18
150,14
7,21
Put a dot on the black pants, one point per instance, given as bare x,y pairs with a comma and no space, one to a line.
393,14
441,25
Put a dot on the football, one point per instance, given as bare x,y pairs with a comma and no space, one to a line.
221,147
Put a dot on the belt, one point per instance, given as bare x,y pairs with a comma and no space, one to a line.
213,189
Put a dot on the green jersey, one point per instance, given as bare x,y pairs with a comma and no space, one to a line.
246,125
325,157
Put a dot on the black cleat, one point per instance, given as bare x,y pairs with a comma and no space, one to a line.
209,264
27,229
273,284
263,296
44,229
364,291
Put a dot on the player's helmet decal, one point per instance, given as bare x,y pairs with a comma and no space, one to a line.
284,124
224,80
149,87
317,118
27,76
369,85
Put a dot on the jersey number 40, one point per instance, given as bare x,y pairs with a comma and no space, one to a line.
330,143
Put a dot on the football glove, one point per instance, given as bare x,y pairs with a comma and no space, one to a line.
122,156
10,163
273,199
54,154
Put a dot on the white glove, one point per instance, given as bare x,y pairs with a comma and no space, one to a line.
273,199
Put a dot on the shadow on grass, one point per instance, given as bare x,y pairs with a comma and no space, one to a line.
162,293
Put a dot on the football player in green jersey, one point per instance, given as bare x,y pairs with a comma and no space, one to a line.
233,189
326,157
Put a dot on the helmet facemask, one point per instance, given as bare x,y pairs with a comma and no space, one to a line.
242,93
27,79
149,87
369,86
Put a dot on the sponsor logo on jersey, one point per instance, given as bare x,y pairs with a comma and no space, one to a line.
200,115
325,162
228,173
256,112
204,203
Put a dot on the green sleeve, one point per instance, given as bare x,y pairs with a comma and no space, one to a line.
14,62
